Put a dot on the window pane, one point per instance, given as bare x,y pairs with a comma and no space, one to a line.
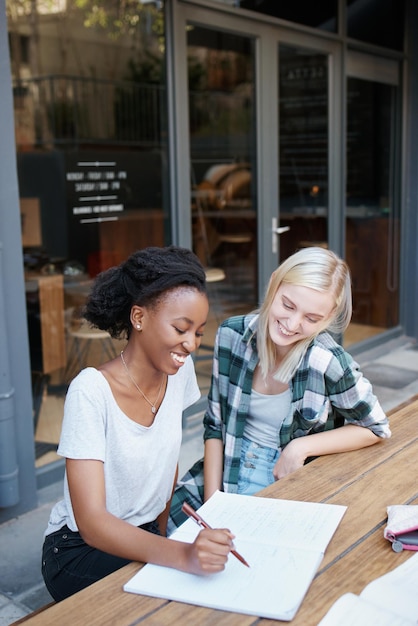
90,108
372,214
321,15
91,138
379,22
221,73
303,144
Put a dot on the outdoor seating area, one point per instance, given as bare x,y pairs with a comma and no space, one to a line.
276,143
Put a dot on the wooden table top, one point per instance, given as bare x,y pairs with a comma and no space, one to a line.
366,481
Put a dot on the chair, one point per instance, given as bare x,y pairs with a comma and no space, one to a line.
204,242
82,338
308,244
213,276
224,192
205,237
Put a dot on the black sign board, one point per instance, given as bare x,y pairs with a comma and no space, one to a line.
96,188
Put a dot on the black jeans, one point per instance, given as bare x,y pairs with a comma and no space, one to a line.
69,564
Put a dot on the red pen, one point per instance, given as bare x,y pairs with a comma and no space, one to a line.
186,508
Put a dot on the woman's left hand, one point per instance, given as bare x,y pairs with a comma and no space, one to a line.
290,459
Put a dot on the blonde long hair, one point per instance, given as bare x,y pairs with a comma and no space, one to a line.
316,268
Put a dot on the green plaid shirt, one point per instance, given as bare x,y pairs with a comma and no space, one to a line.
328,391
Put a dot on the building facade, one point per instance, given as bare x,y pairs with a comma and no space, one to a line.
243,130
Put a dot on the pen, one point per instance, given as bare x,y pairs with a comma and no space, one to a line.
186,508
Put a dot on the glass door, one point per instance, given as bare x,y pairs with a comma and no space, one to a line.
362,223
372,213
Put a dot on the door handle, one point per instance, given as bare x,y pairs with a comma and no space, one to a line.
276,230
280,230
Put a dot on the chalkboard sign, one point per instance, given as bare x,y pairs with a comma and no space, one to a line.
95,187
100,185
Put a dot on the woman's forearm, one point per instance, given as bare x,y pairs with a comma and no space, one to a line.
213,466
207,554
344,439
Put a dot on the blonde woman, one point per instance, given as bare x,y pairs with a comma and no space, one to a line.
282,389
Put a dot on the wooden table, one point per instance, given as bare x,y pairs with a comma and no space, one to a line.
366,481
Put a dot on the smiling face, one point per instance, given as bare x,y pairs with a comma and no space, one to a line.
174,328
297,313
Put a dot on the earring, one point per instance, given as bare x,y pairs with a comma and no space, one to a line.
138,326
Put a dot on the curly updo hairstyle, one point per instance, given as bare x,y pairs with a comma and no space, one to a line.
143,280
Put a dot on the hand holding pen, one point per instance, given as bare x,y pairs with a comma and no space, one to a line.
186,508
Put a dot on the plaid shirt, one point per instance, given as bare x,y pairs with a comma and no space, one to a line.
328,391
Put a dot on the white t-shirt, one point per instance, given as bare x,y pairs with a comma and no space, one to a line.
139,462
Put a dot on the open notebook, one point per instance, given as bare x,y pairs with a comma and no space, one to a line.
390,600
284,542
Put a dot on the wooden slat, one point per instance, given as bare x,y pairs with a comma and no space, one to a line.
51,306
176,613
30,214
103,603
328,475
367,500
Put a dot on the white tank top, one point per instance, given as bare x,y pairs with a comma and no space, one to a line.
265,417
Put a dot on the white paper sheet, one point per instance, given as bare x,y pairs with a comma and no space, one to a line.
390,600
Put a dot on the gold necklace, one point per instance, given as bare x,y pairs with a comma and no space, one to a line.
152,404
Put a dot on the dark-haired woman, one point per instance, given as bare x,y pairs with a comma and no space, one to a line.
121,431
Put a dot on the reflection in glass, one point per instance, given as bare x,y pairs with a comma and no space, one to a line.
91,138
222,151
303,145
379,22
372,214
321,15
